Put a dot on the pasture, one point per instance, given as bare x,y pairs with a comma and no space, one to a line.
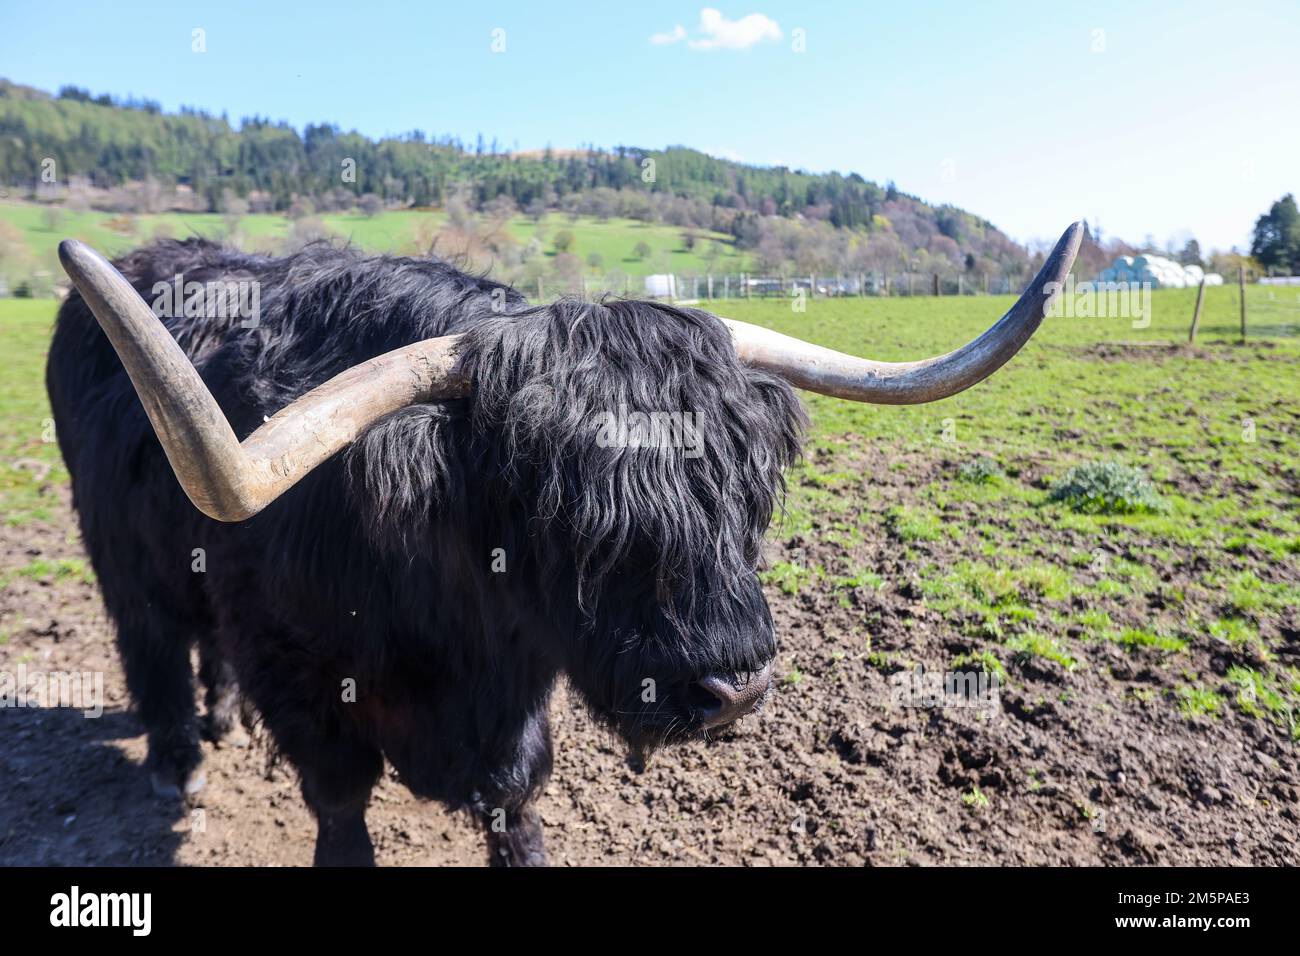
1146,664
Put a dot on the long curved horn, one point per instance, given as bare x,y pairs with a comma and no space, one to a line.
227,480
231,481
828,372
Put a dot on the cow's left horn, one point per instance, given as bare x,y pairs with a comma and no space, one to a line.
225,479
823,370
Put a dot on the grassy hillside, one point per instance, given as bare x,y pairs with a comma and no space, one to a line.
394,232
115,142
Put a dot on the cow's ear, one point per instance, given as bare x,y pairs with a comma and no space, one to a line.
400,474
778,423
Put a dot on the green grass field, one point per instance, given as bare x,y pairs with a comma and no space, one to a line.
1215,428
27,448
614,240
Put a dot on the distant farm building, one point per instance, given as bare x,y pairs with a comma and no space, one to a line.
661,286
1160,272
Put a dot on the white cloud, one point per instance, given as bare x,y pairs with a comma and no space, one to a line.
730,154
716,32
675,35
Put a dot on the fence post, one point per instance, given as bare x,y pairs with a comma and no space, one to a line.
1196,316
936,283
726,286
710,284
1241,287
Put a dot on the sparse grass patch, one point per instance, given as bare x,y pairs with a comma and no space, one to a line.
1198,701
1232,630
1095,622
1032,644
909,524
883,662
859,578
1134,638
1045,580
789,577
984,661
51,571
1259,695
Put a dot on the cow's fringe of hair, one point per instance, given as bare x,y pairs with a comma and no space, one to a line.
543,380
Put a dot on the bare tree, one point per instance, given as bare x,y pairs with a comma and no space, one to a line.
233,208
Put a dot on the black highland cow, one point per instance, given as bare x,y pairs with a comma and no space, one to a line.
432,528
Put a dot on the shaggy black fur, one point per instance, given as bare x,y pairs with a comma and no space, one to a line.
622,565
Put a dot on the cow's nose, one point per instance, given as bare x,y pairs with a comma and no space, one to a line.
723,698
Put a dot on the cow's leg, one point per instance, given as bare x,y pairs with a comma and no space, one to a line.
512,826
337,779
336,769
158,607
221,696
302,709
514,837
156,658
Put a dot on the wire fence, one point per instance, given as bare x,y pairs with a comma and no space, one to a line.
679,287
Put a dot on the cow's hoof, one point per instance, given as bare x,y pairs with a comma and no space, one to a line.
637,761
167,787
229,735
237,738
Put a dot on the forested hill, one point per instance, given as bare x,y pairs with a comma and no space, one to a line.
109,142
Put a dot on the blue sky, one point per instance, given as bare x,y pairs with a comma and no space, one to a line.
1150,118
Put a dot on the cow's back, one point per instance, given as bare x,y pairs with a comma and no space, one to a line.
317,313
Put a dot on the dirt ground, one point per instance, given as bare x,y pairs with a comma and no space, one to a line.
1093,770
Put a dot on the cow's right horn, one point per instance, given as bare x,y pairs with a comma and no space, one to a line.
225,479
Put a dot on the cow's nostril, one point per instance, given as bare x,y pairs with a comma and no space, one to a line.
720,699
703,701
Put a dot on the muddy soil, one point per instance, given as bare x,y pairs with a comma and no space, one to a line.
1093,767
